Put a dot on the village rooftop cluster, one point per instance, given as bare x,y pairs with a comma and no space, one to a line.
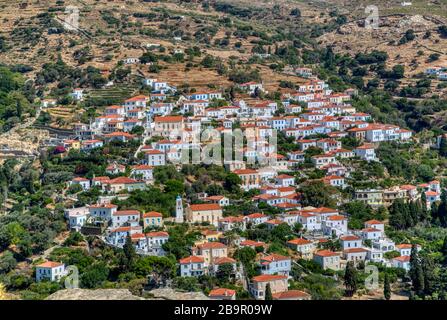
311,110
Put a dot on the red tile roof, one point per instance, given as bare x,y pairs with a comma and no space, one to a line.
372,222
224,260
156,234
126,213
272,258
169,119
403,258
123,180
205,207
192,259
349,238
299,241
291,294
50,264
222,292
152,214
268,277
326,253
212,245
251,243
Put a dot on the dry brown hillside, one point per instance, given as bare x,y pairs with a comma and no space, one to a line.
353,38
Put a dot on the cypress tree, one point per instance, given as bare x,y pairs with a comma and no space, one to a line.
443,146
415,216
397,219
444,250
268,292
428,267
424,204
416,272
387,287
442,210
350,279
129,252
434,208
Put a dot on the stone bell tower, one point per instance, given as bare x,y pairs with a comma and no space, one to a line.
179,209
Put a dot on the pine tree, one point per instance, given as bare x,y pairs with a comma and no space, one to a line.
268,292
387,287
350,279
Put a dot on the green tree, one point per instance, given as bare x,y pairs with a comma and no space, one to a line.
430,278
232,182
129,253
350,279
94,275
317,194
444,251
443,146
268,292
416,271
7,262
224,272
387,287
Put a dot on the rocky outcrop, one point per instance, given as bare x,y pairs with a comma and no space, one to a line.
170,294
98,294
124,294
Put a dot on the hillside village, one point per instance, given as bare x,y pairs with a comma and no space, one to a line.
314,117
223,149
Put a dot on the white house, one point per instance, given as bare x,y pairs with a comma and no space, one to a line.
335,225
102,211
155,241
303,246
144,171
402,262
121,217
155,158
366,152
355,255
83,182
275,264
193,266
405,249
328,259
78,94
256,218
351,241
77,217
371,234
285,180
50,271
